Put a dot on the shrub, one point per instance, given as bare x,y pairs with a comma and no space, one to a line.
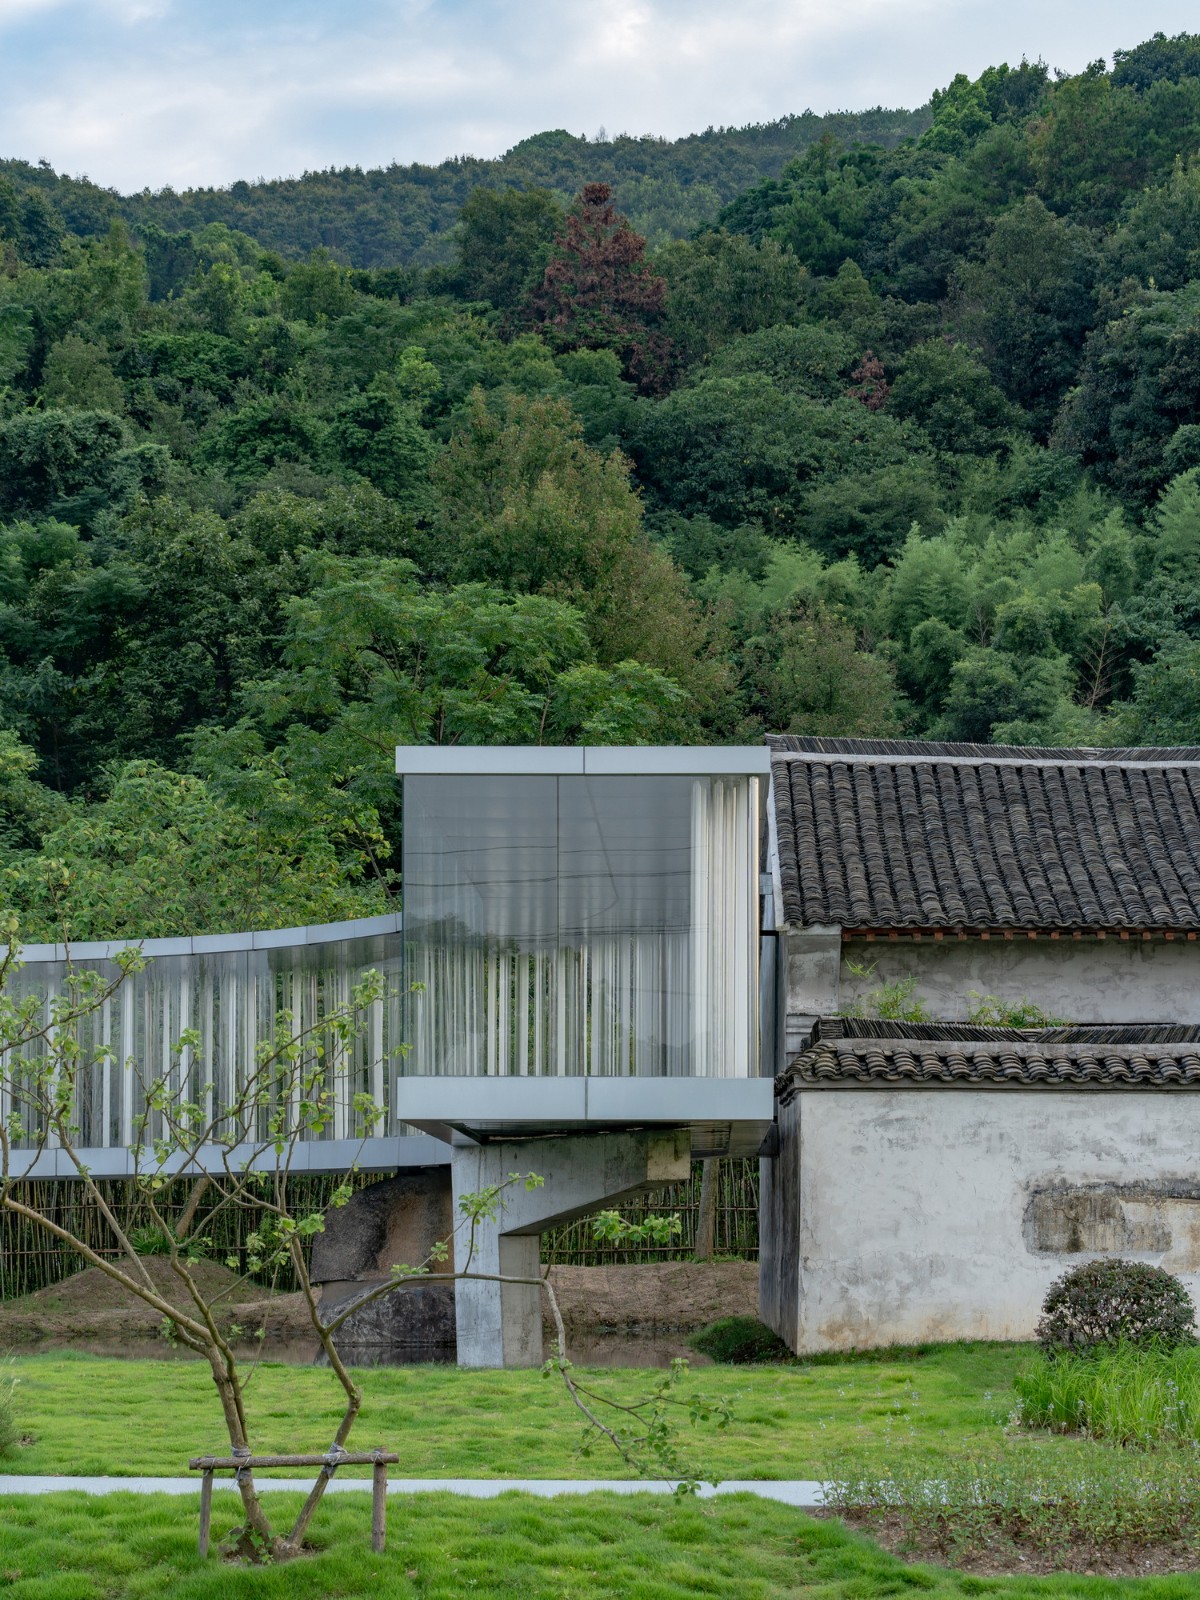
738,1341
1117,1392
149,1241
1115,1302
989,1011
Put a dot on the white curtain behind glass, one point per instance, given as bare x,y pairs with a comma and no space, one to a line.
648,965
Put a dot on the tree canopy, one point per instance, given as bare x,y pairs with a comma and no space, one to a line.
886,424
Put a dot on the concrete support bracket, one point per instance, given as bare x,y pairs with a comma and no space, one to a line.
500,1324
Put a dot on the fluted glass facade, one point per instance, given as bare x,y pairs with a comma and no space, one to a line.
566,925
232,1000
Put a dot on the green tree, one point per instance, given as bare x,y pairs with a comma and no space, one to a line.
317,290
373,660
1164,708
503,242
721,285
526,504
949,392
806,674
163,850
1028,305
381,437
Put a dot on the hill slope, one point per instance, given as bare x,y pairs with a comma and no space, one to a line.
401,215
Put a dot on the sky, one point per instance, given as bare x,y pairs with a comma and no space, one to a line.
144,93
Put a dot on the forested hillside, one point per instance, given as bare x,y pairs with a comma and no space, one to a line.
405,215
896,441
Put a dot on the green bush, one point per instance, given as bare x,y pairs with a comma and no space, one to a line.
738,1341
149,1241
1126,1395
1115,1302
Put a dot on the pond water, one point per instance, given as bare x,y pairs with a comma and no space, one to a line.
600,1350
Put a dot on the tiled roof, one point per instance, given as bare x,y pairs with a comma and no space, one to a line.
882,834
847,1053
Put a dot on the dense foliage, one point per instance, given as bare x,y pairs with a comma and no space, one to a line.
1115,1302
402,214
892,427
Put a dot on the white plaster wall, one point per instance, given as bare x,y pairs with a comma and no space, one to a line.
911,1219
1084,980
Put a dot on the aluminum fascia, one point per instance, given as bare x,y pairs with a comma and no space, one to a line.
217,943
383,1154
597,761
560,1102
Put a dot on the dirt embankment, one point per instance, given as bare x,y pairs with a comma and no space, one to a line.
668,1297
91,1305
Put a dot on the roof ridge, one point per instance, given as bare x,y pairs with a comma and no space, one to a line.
848,1029
920,756
802,744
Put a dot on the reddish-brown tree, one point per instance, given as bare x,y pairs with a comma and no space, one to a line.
869,382
599,292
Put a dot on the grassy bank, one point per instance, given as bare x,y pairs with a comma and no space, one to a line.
65,1547
86,1414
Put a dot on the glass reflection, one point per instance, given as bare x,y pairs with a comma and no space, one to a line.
567,925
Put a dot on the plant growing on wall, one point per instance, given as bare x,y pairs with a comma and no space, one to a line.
245,1143
897,1001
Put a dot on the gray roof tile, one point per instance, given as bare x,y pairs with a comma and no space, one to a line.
846,1053
893,834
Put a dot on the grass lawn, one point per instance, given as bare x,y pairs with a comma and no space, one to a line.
91,1415
87,1414
66,1547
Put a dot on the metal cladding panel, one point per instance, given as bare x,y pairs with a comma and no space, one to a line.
318,1155
636,760
710,760
684,1100
211,944
273,938
487,760
557,1102
553,1101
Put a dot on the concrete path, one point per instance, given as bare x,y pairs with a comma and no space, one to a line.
801,1492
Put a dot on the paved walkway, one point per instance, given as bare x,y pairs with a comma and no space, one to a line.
802,1492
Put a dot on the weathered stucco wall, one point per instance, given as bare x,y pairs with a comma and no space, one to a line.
1079,980
897,1215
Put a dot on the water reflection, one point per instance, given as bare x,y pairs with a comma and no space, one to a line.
601,1350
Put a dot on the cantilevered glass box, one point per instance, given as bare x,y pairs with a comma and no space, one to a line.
582,911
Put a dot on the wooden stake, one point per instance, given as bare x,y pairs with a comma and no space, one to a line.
379,1506
206,1487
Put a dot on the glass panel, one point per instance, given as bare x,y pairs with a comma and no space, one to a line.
581,925
232,1001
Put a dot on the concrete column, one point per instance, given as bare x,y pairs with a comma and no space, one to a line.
500,1325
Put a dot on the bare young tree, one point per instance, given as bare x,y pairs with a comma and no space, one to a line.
243,1147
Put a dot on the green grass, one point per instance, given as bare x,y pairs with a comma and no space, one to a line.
67,1547
1122,1394
92,1415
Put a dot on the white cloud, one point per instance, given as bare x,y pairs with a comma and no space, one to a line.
145,92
